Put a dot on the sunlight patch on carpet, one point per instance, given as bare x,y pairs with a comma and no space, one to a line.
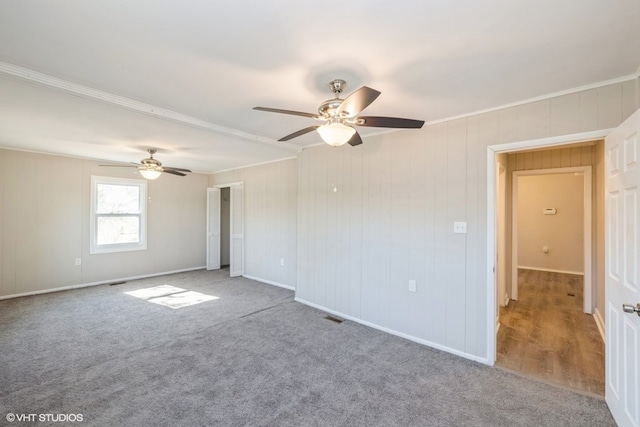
170,296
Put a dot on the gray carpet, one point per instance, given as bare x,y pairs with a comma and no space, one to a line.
254,357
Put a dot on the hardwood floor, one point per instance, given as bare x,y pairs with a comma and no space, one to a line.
546,335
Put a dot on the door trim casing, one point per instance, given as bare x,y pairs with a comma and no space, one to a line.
492,152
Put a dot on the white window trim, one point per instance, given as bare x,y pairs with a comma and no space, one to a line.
94,248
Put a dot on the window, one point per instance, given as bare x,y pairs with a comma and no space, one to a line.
118,215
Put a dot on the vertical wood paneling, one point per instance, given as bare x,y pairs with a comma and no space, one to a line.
374,235
331,232
429,286
630,102
528,161
353,229
400,233
473,275
565,114
456,243
385,168
534,120
401,227
609,106
575,156
321,229
441,221
419,188
508,125
304,246
546,160
588,110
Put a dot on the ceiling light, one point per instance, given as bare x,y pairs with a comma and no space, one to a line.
336,134
150,173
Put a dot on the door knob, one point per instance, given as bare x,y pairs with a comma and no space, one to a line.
628,308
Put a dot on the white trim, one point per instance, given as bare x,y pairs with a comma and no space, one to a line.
253,165
229,185
587,228
396,333
600,324
121,101
551,270
269,282
102,282
492,152
551,95
94,247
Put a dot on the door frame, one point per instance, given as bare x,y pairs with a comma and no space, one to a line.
239,270
587,227
492,152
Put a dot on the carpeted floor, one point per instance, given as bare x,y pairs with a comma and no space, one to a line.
253,357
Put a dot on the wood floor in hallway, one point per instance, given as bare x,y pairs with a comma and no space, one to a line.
546,335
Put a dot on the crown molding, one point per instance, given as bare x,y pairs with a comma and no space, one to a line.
616,80
42,79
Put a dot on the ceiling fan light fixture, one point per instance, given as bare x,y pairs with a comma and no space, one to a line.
336,134
150,174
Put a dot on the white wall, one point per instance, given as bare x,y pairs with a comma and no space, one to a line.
562,233
392,218
270,219
44,224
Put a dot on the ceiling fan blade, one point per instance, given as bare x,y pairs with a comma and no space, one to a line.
299,133
358,101
175,169
294,113
173,172
389,122
119,166
355,140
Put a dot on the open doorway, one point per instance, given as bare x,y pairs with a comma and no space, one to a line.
542,328
225,228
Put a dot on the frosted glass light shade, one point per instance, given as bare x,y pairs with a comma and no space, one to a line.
336,134
150,173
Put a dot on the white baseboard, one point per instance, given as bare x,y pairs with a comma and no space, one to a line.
600,323
506,300
550,270
482,360
102,282
269,282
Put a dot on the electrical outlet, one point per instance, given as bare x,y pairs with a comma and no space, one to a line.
78,261
412,286
460,227
282,262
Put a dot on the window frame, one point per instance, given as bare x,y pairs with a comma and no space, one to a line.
94,247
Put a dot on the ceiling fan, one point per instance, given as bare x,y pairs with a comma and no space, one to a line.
151,168
341,115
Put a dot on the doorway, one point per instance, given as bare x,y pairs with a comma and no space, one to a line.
225,228
544,332
529,155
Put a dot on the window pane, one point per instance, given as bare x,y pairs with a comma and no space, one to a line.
113,230
118,198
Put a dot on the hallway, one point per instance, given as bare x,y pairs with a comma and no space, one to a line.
546,335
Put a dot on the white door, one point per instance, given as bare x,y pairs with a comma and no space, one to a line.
622,182
213,228
237,232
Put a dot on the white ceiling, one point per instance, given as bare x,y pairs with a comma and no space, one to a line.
187,73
